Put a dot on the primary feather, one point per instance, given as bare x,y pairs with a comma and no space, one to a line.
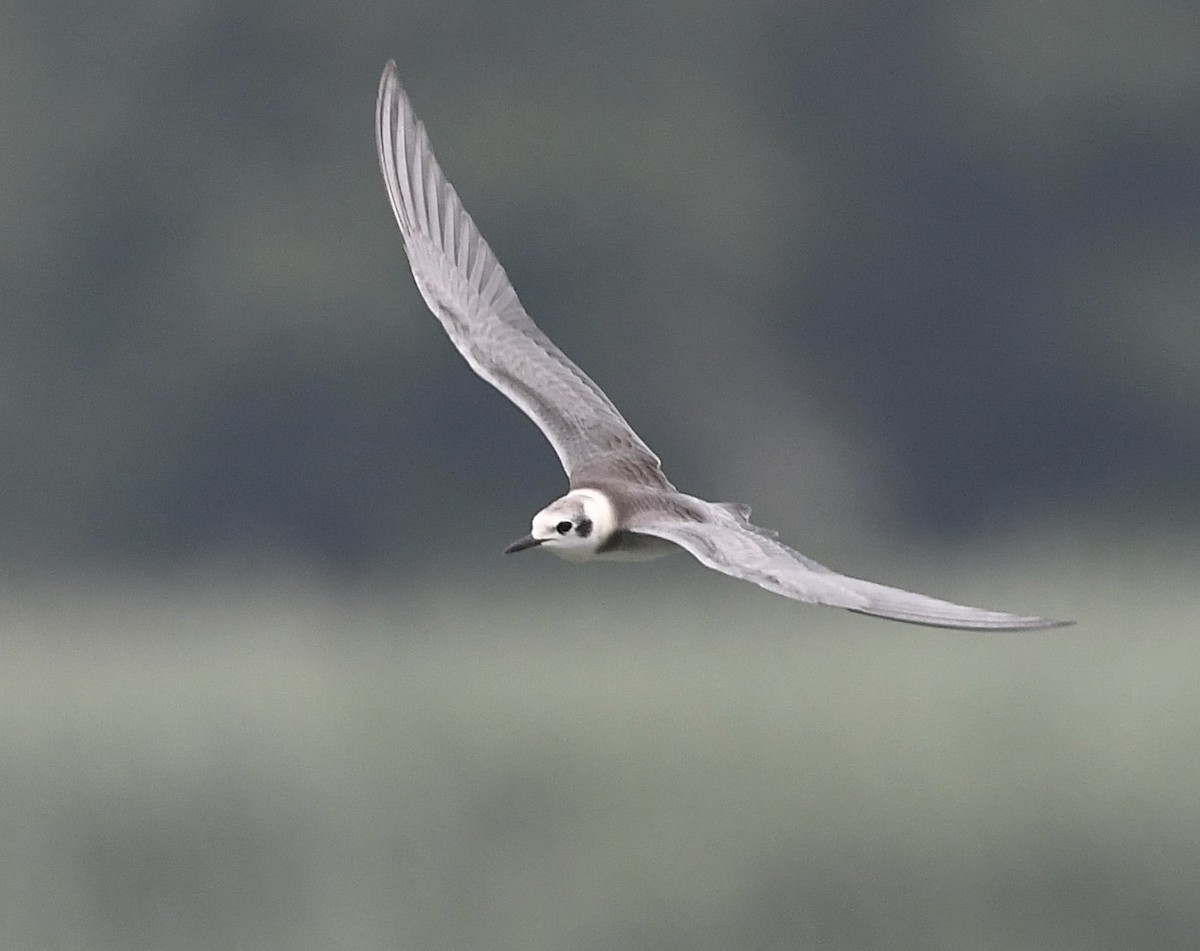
468,291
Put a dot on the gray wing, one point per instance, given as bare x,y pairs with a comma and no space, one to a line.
468,291
746,551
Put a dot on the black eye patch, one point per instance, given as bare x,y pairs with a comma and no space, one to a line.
584,528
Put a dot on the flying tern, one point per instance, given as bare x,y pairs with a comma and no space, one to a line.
620,505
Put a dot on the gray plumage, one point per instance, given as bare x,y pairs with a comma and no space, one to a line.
620,503
466,288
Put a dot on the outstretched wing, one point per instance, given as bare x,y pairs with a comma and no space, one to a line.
745,551
468,291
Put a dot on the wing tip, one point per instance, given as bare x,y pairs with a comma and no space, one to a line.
388,80
988,621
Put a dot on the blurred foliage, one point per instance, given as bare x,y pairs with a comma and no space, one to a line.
283,767
941,260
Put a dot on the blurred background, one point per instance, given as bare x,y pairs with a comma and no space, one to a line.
920,282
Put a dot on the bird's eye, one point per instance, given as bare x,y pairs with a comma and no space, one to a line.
562,527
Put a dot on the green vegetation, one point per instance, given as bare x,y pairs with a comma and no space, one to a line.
260,767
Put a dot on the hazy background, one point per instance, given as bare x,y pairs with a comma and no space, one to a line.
920,282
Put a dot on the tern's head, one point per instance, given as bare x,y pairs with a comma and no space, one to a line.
572,527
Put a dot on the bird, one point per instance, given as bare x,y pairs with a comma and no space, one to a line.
620,506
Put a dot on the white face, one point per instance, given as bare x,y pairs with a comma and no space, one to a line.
572,527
